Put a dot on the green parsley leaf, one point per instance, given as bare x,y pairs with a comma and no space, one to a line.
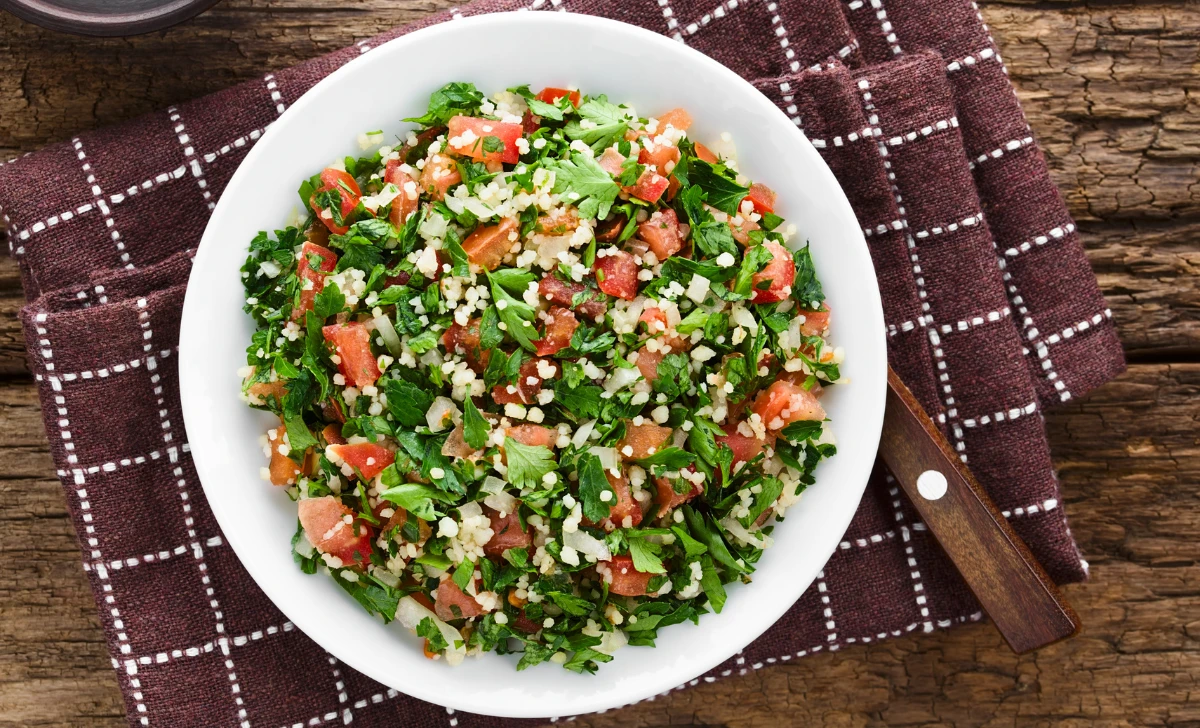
415,498
583,182
757,258
490,335
475,427
710,582
527,464
694,320
427,629
374,597
717,182
592,483
770,221
423,341
407,402
450,100
674,376
802,430
463,573
572,605
645,559
806,289
714,238
669,458
691,547
610,121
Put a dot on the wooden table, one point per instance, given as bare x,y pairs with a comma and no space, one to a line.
1113,92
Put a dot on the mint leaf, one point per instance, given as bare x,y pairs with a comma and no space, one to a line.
527,464
716,180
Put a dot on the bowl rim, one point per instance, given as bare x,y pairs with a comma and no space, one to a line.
78,22
872,390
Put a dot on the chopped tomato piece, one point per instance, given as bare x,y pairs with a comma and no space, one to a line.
705,154
626,580
367,458
325,260
439,175
678,118
780,273
815,322
263,391
668,499
527,386
506,533
453,603
535,435
673,187
283,469
647,363
557,291
617,275
529,122
610,161
469,136
663,157
741,232
333,434
352,343
406,202
745,447
560,222
625,507
346,188
643,440
464,340
324,523
785,402
762,197
661,233
400,517
487,246
551,95
560,326
649,186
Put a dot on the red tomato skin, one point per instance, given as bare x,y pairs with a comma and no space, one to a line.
526,393
661,157
705,154
506,533
350,542
402,205
348,190
439,175
644,440
678,118
534,435
647,363
762,197
781,272
624,505
487,246
744,448
627,581
551,95
741,233
352,343
650,186
781,396
506,133
448,594
560,326
610,161
667,499
465,340
619,277
328,261
661,233
560,292
815,322
358,454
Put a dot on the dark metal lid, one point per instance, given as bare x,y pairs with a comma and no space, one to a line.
105,17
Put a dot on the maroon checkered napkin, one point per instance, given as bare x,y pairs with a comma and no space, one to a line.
992,312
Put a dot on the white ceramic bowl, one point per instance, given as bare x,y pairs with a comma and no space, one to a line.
375,91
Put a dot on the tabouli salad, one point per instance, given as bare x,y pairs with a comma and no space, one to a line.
546,372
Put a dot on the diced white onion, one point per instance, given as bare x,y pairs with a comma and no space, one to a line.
304,547
410,613
621,378
581,435
607,455
441,409
492,484
383,326
470,510
586,544
502,502
735,529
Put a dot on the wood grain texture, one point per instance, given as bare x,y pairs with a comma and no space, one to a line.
1112,89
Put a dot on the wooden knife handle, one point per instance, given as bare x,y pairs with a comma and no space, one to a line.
1009,583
